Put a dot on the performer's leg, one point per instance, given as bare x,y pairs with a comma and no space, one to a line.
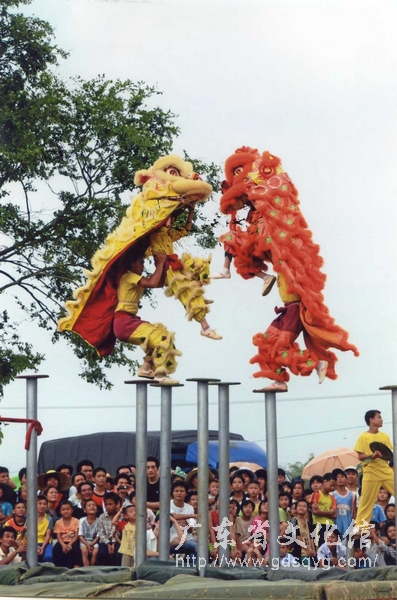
268,282
208,332
158,344
368,498
187,287
278,349
224,273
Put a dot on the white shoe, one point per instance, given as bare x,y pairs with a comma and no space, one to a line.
165,380
149,373
268,283
322,370
211,333
221,275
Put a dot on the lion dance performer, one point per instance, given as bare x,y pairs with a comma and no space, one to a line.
278,234
105,308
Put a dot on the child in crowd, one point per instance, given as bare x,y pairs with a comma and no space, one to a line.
237,492
332,551
66,552
233,510
213,491
261,476
377,549
383,498
360,555
127,546
88,534
18,519
286,559
256,545
378,515
298,489
44,530
390,540
22,493
324,507
284,503
253,491
303,549
390,512
6,507
292,509
243,523
345,502
108,545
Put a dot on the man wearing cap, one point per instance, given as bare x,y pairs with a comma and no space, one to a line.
352,479
376,471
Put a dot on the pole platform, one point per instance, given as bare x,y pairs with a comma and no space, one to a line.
136,381
226,383
166,385
389,387
34,376
266,391
202,379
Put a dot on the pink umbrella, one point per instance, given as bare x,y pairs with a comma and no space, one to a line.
341,458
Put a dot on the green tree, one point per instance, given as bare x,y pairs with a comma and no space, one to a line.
85,140
295,469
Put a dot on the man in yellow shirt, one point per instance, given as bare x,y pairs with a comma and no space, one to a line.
376,472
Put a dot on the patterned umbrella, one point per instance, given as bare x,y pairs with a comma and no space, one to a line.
341,458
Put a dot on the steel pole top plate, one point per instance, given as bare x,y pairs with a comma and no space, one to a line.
203,379
166,385
136,381
389,387
33,376
226,383
267,390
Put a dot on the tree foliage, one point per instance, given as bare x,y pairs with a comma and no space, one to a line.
84,140
295,470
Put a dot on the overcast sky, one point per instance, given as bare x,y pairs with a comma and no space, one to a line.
315,83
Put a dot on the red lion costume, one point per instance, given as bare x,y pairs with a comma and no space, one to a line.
277,233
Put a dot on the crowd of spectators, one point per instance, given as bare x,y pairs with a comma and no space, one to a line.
87,517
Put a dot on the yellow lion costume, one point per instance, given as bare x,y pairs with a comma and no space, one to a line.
169,185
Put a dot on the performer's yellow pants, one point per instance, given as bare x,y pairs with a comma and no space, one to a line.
158,344
369,495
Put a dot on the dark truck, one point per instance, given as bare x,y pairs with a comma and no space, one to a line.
112,449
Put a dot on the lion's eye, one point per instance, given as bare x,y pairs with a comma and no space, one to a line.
237,170
172,171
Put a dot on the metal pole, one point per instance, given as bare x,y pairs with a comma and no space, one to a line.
141,476
31,469
393,389
223,465
272,472
202,474
165,468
